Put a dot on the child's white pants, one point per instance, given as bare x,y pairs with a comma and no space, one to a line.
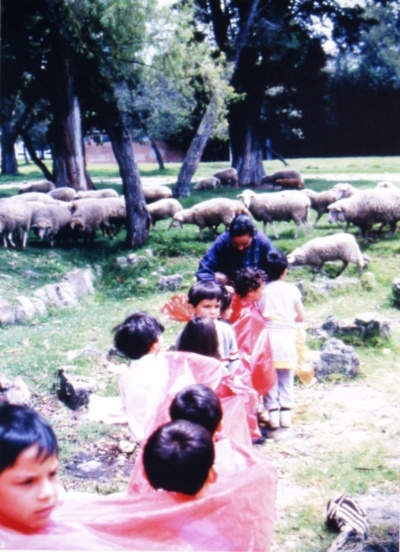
281,395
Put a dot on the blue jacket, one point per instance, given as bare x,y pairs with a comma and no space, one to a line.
223,257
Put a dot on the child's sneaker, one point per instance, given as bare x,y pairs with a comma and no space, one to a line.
273,419
285,417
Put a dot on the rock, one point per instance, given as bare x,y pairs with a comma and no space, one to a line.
74,390
90,352
142,281
336,283
371,325
171,283
331,324
126,446
149,252
90,466
7,315
134,258
121,261
30,273
15,391
57,295
81,281
336,357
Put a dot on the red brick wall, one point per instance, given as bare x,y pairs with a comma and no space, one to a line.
143,153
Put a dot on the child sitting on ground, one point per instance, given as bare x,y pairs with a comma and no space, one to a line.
281,307
179,457
199,336
205,297
28,469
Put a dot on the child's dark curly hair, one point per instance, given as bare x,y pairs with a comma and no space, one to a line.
248,279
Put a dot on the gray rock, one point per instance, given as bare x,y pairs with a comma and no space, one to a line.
171,283
89,352
331,324
149,252
73,389
81,281
30,273
121,261
336,357
142,281
337,283
370,324
134,258
57,295
15,391
7,316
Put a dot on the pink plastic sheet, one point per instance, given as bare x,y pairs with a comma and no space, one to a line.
254,345
235,513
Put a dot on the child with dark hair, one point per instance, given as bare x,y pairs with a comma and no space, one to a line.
282,307
198,404
199,336
179,457
28,469
205,297
138,335
225,308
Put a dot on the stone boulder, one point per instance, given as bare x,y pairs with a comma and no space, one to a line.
336,357
170,283
81,281
7,316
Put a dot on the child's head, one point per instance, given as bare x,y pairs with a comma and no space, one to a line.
249,283
198,404
277,265
179,457
199,336
225,308
138,335
205,297
28,468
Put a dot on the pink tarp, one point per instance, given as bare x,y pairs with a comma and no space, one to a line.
236,513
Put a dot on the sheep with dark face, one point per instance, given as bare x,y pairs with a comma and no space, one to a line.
153,193
286,178
227,177
51,222
210,214
15,218
43,187
320,201
336,247
163,209
277,206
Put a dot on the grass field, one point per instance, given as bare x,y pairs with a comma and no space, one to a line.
330,462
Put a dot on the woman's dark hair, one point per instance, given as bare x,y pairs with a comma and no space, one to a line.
178,457
135,336
198,404
21,428
248,279
241,225
204,289
199,336
277,263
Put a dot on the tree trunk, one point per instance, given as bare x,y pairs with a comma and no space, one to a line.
196,148
138,218
8,158
31,150
157,153
247,154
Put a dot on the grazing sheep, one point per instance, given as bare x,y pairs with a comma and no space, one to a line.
65,193
210,183
43,187
320,201
227,177
15,217
368,207
210,214
51,222
344,189
86,219
163,209
113,211
35,196
270,207
336,247
287,178
153,193
96,194
385,184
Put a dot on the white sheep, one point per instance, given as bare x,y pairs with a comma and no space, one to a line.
108,213
336,247
227,177
320,201
286,178
15,217
44,187
210,183
163,209
368,207
86,218
344,189
277,206
210,214
64,193
35,196
96,194
154,192
51,222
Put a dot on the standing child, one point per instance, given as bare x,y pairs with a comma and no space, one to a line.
281,307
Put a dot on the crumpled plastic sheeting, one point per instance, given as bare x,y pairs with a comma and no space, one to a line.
254,347
236,513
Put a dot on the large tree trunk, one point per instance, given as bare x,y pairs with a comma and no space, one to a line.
31,150
196,148
138,218
247,152
8,158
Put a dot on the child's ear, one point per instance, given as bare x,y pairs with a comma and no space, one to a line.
212,474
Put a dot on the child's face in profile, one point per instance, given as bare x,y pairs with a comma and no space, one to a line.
29,490
256,294
209,308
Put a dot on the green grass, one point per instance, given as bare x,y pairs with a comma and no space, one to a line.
38,349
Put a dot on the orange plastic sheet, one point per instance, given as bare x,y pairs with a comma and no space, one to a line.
235,513
177,308
254,345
